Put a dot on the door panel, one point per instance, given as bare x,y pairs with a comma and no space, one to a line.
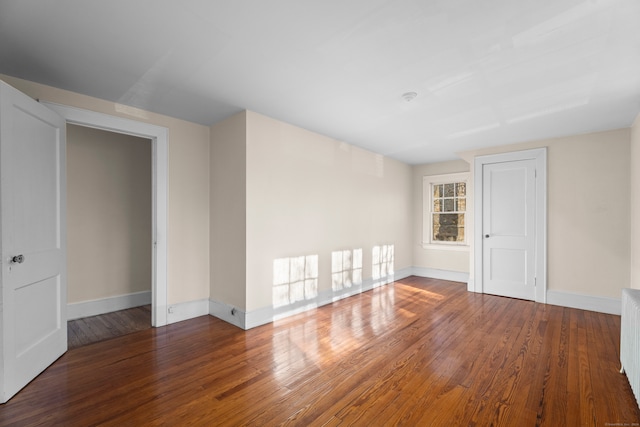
32,204
507,199
508,265
36,297
34,170
509,229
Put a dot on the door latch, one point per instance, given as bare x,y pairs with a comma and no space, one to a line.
18,259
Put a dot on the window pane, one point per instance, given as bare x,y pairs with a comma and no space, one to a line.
435,228
449,205
449,190
437,190
462,205
448,227
437,205
461,189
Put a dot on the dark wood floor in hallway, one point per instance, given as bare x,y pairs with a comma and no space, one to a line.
102,327
419,352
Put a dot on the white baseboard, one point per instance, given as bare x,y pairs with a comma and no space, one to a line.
262,316
228,313
187,310
434,273
563,299
251,319
585,302
78,310
471,285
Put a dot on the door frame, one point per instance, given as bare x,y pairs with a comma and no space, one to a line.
540,157
159,183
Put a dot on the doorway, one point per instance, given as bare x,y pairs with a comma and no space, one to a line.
108,234
159,153
510,224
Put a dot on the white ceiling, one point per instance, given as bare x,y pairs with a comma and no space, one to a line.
486,72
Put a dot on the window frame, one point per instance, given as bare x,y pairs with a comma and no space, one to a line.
428,181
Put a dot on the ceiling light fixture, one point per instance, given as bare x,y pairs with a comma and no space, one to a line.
409,96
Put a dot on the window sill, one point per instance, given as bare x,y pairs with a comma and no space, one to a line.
441,247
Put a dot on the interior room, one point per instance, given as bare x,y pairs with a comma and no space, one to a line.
364,213
109,229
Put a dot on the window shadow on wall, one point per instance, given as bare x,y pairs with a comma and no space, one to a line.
295,283
296,279
346,272
382,261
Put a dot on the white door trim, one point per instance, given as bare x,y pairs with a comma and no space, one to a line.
540,157
159,142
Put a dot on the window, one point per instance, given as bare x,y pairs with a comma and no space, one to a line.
445,206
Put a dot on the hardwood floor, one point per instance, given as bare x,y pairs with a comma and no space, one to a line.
106,326
420,352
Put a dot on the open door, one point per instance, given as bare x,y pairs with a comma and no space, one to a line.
33,330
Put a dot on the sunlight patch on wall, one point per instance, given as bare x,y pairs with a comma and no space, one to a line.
132,111
294,279
382,261
346,269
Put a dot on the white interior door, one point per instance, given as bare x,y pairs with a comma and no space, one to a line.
33,234
508,228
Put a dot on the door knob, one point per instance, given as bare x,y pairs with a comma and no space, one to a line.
18,259
486,236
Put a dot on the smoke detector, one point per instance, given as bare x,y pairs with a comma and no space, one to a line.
409,96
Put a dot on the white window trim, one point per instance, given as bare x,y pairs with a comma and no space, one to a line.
427,182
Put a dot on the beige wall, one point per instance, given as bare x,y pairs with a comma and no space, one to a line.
281,192
635,203
108,214
188,182
588,211
308,195
449,260
228,211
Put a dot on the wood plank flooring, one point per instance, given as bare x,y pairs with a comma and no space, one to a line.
419,352
106,326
